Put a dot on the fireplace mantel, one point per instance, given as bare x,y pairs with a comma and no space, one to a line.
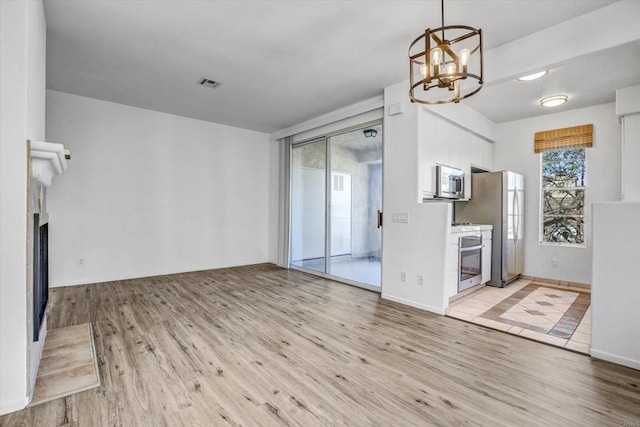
47,160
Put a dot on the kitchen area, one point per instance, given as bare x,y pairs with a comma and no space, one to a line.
474,223
484,208
485,262
419,254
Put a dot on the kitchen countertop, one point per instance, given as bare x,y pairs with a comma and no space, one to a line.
472,227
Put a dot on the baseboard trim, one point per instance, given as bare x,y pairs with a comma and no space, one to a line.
94,281
559,283
414,304
620,360
13,405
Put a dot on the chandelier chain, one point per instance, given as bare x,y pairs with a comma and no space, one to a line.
442,15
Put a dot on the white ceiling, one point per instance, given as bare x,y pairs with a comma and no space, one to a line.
284,62
589,80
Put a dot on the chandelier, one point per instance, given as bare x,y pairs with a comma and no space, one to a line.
445,64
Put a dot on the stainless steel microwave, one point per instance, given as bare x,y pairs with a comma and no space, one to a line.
449,182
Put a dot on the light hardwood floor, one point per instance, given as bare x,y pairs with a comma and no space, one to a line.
68,364
260,345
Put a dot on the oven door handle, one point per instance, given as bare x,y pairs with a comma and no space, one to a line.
471,248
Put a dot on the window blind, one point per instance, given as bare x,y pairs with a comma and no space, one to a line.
565,138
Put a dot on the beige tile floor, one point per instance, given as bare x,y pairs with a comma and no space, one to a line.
470,308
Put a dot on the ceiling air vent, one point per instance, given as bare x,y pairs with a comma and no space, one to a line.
209,83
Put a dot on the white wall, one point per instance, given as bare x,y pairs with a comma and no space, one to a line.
419,247
616,283
22,65
149,193
36,95
416,248
628,110
514,151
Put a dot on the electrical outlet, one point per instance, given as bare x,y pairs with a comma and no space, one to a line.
81,262
554,262
403,277
420,280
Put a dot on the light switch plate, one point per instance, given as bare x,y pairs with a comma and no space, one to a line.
400,217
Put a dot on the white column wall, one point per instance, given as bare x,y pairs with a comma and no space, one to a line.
615,296
22,112
628,110
417,247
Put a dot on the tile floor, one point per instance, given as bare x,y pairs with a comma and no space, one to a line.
363,270
557,316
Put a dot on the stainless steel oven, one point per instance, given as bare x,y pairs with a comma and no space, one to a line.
470,261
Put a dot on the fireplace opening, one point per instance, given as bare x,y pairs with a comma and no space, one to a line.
40,273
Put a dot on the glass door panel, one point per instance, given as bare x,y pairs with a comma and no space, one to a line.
355,197
308,205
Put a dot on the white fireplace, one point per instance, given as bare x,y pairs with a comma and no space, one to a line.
46,160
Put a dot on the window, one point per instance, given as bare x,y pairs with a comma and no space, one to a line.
563,196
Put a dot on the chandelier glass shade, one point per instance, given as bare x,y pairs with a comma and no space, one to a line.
445,64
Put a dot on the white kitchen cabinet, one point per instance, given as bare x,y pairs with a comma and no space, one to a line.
443,142
456,144
432,149
486,257
451,276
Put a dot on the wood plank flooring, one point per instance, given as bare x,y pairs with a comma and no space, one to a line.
68,364
260,345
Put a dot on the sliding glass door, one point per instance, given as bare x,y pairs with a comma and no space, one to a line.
355,200
336,197
308,204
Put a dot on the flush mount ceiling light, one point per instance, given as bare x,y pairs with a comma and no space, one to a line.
554,101
445,64
533,76
370,133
